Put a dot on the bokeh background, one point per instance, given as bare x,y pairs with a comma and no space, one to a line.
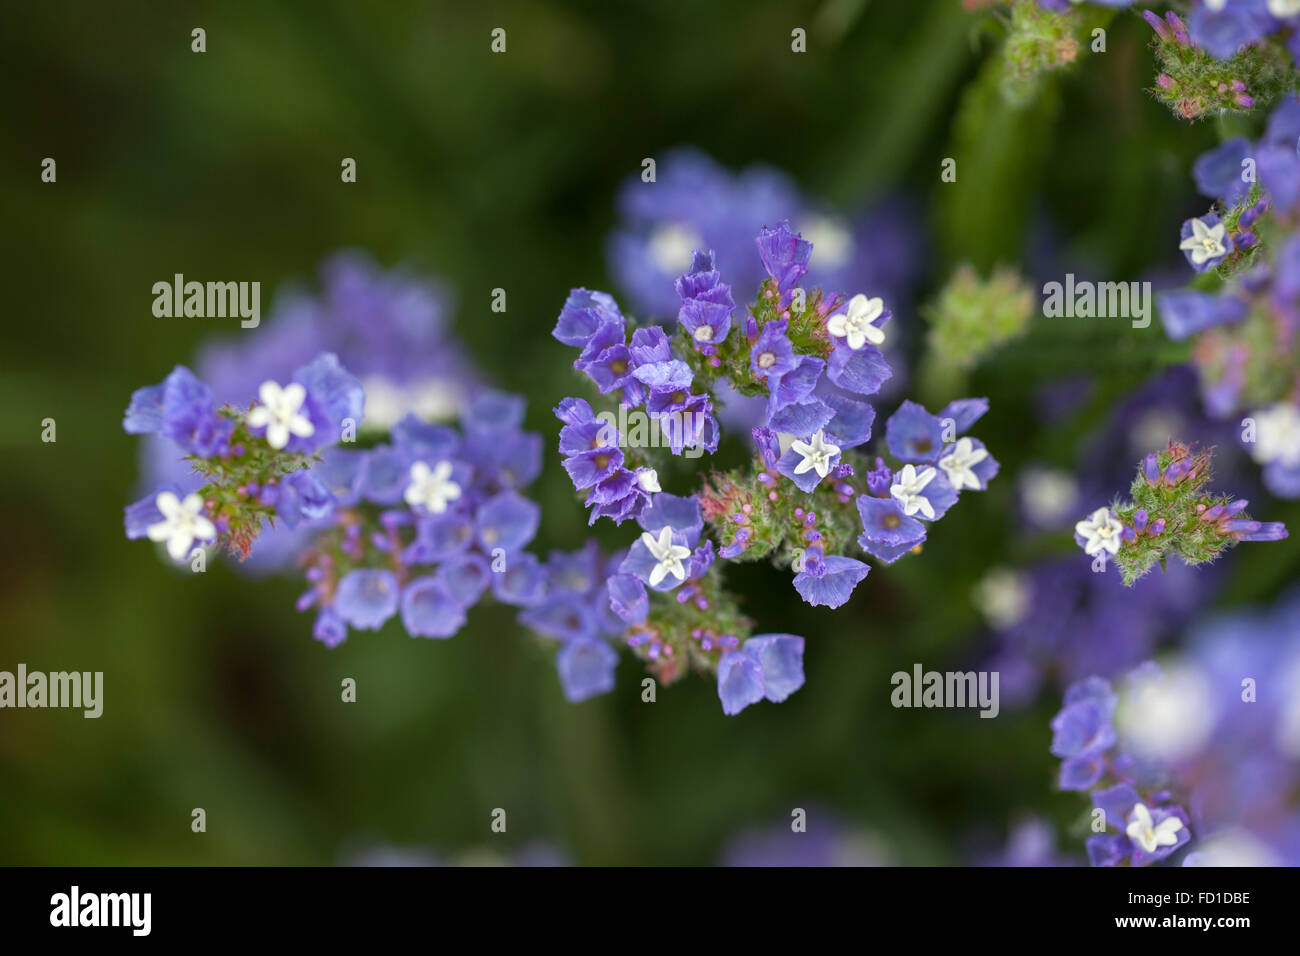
491,171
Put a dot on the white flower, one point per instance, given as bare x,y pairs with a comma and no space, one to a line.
671,245
1101,531
1283,8
1205,242
280,413
183,523
854,324
1277,435
957,464
908,487
431,488
1002,596
1047,495
648,479
703,333
816,454
1149,835
668,555
1167,716
832,240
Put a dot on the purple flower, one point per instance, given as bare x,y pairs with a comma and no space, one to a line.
784,254
522,582
1279,174
590,467
888,533
334,396
850,425
465,577
329,628
429,609
180,408
343,472
772,355
303,497
583,315
914,435
795,385
628,598
740,681
1224,31
706,302
586,668
780,657
507,520
766,666
366,598
862,371
1083,727
563,615
1187,312
1218,171
834,585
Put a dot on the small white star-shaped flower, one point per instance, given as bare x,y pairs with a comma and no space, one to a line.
671,245
668,555
908,487
1277,435
854,324
1282,9
1100,531
431,488
1149,835
1205,242
183,523
957,464
280,413
817,454
648,479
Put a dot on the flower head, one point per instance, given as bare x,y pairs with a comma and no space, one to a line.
854,324
183,523
281,413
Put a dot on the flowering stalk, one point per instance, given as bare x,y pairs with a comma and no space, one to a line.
809,359
1223,63
1135,820
255,461
1170,512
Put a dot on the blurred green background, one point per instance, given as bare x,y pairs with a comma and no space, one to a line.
500,171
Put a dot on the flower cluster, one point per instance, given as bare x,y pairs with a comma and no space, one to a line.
811,358
1226,57
398,517
1170,512
425,524
1245,321
254,462
1135,820
1053,620
696,203
1208,739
